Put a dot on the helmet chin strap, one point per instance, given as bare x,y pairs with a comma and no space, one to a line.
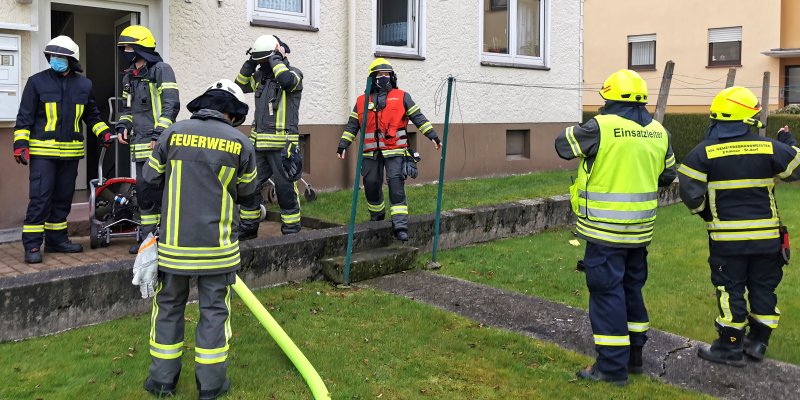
754,122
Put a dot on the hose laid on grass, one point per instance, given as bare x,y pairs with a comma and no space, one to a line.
299,360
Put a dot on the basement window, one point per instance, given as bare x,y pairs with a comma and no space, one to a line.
305,152
518,144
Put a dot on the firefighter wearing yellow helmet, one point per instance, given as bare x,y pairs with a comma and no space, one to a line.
625,156
277,87
386,148
48,135
151,104
728,180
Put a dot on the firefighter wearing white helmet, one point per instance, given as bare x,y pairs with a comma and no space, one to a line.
277,87
48,134
206,167
386,151
151,105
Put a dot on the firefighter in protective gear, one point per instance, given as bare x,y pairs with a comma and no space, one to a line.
386,143
151,105
278,88
207,167
728,180
48,132
625,156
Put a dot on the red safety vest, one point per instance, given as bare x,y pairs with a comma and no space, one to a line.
390,125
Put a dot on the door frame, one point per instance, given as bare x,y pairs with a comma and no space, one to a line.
786,69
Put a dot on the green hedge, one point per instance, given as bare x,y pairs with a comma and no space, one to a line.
688,129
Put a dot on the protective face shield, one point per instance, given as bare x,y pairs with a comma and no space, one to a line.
59,64
384,82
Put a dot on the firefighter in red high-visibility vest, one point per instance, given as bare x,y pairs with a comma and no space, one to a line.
386,144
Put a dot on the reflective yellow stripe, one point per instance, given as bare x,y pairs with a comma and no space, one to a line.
768,320
395,210
52,148
242,80
155,165
33,228
151,219
608,340
744,224
208,264
348,136
638,326
726,319
586,228
290,218
51,111
741,183
128,118
166,351
154,312
211,356
791,167
226,210
22,134
55,226
168,85
376,207
78,115
693,173
247,214
155,103
748,235
353,114
228,330
573,143
410,111
173,203
670,161
425,127
248,177
279,69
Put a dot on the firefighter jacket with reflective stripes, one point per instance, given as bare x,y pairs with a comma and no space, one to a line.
730,183
388,114
50,115
151,104
207,167
278,88
622,165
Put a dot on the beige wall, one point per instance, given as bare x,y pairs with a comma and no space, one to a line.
790,26
681,27
15,13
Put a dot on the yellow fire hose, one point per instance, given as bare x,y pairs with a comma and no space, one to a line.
300,361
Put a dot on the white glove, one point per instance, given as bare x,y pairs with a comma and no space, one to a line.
145,268
263,214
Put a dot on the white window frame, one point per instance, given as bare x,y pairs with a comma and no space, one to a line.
416,10
512,58
310,17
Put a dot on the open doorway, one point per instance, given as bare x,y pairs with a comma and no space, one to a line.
95,31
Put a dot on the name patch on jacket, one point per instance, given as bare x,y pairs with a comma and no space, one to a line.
637,133
204,142
738,149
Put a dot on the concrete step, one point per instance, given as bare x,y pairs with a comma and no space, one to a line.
371,264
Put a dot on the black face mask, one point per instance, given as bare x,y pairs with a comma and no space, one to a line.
384,82
129,56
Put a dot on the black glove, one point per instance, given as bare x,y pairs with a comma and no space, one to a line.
436,140
340,150
249,67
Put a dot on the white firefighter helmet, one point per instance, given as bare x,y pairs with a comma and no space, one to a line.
263,47
228,86
62,46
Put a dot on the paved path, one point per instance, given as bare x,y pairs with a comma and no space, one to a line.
670,357
12,254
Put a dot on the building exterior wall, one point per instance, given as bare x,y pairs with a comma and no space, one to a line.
15,13
681,27
790,26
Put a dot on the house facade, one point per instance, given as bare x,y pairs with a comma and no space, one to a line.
704,39
516,63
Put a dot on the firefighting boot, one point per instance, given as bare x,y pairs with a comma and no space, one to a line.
593,374
33,256
377,216
727,349
159,389
635,365
401,235
63,247
248,231
757,340
212,394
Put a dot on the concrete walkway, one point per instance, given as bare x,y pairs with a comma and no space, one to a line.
672,358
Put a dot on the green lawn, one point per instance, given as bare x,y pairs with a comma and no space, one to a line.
335,206
679,293
365,344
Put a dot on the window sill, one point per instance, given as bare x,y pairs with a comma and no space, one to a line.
282,25
644,69
403,56
725,66
514,65
517,157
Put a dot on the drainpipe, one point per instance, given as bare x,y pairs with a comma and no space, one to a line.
351,53
580,62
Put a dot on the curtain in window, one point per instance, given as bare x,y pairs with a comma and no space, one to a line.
282,5
528,20
643,53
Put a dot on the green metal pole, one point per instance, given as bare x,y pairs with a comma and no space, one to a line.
352,227
450,81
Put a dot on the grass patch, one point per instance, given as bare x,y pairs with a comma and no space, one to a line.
335,206
365,344
679,294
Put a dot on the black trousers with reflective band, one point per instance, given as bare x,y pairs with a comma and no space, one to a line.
372,172
268,164
149,201
759,275
52,185
212,334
